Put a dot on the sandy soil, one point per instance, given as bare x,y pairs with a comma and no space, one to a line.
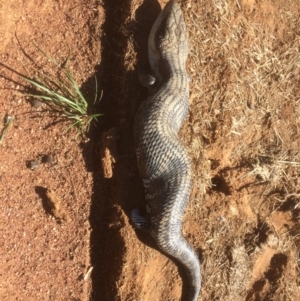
65,198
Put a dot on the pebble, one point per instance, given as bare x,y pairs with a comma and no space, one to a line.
48,159
33,164
36,103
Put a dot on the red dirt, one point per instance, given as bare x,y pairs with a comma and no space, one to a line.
65,198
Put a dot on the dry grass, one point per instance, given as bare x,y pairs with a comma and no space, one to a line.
244,99
242,73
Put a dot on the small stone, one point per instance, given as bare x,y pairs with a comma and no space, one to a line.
48,159
33,164
36,103
251,105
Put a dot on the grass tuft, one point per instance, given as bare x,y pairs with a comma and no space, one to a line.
63,94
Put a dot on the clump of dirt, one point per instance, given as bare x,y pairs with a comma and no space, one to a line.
109,151
55,207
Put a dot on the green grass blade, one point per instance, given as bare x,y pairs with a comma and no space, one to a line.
55,97
9,119
96,89
52,60
76,88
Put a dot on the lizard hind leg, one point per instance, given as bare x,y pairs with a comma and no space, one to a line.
139,221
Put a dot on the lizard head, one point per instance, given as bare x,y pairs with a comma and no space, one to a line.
168,38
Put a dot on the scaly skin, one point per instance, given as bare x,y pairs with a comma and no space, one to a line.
162,160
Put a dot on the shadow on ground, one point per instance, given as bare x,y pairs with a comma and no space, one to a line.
122,95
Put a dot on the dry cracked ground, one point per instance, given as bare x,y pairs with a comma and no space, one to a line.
65,197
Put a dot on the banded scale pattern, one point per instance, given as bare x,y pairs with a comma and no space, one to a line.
162,160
